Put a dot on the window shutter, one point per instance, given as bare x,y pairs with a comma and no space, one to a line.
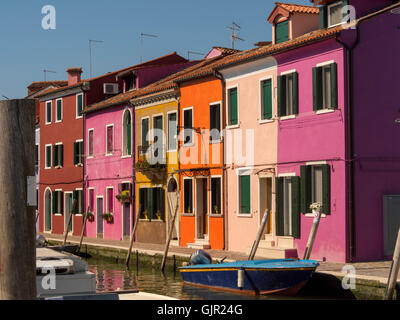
162,203
55,155
75,196
323,17
61,161
282,31
48,157
295,93
233,106
334,86
59,110
305,189
317,88
281,92
279,207
129,133
80,105
267,99
244,194
55,202
326,189
48,111
61,202
296,207
145,130
150,204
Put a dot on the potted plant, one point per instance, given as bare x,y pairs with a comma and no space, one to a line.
108,217
124,197
158,214
90,216
216,211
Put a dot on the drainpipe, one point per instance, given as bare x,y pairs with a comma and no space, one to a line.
350,141
219,76
133,141
178,96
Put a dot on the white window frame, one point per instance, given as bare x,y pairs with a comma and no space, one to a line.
96,215
83,155
228,126
51,112
88,198
79,202
244,172
141,130
177,131
191,144
113,147
221,196
88,144
107,200
58,144
45,156
65,204
329,16
261,80
58,214
123,155
220,121
193,197
62,107
77,116
45,210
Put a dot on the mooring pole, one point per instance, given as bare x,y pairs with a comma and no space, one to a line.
394,271
313,233
83,229
259,234
17,200
128,256
170,234
75,203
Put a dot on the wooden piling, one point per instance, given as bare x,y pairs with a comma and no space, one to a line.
83,229
394,271
128,256
171,231
75,203
259,235
17,217
313,233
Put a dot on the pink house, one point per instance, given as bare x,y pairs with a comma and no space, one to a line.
109,172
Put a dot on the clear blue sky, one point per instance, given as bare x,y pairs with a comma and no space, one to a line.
181,25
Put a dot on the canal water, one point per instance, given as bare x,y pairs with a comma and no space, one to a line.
114,276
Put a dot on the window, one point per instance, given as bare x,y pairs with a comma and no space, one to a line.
188,196
58,110
48,157
188,126
244,194
37,155
58,155
58,203
325,92
145,132
48,112
288,206
78,153
110,200
266,99
127,134
215,122
79,105
152,203
110,139
130,83
90,143
78,196
233,107
158,138
172,131
282,31
315,187
216,195
288,94
91,200
332,15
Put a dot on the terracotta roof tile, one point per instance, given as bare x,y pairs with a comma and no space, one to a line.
291,7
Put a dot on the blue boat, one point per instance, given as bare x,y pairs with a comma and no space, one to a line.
256,277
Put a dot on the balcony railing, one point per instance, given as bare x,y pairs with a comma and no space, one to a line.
152,161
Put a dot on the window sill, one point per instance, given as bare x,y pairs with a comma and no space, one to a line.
323,111
233,126
58,214
80,165
215,215
47,168
187,145
76,118
58,121
290,117
187,214
244,215
90,157
126,157
215,142
108,154
312,215
169,151
47,123
78,215
266,121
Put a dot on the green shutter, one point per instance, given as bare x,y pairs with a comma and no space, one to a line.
129,133
61,161
233,107
295,93
54,201
80,105
75,197
295,207
61,202
281,99
334,86
145,130
55,155
76,152
48,112
267,99
244,194
48,156
317,88
323,17
305,189
59,110
279,215
150,204
326,189
282,31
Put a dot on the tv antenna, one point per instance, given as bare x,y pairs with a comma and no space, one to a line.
235,28
5,97
90,53
193,52
47,71
142,35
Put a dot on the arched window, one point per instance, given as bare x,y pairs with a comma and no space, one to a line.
127,133
47,210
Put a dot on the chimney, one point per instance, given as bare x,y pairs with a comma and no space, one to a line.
74,75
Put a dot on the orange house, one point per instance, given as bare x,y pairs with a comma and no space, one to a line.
201,115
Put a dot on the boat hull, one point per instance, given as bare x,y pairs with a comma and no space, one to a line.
253,279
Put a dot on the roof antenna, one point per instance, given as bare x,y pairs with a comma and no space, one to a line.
142,35
90,53
234,35
47,71
193,52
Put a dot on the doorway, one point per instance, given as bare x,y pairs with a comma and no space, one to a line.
265,187
47,210
201,208
391,222
126,208
67,210
99,217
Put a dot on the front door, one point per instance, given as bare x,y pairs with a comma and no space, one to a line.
266,202
67,211
48,211
201,208
391,222
99,217
127,220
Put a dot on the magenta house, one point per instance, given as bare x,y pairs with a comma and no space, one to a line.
109,173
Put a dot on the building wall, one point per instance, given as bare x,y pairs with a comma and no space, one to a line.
199,94
317,137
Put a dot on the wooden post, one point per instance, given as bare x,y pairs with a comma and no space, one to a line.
128,256
259,234
171,231
75,203
17,213
83,229
313,233
394,271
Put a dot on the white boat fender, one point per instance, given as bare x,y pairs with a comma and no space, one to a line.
240,283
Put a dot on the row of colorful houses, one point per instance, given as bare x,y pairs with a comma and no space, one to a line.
309,117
